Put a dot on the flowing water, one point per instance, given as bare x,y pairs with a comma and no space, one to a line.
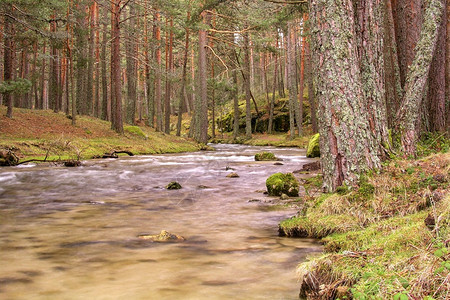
71,233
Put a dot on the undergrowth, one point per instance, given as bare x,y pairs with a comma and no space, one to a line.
386,239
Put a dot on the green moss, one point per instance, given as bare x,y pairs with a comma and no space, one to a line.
280,183
313,149
173,186
265,156
136,130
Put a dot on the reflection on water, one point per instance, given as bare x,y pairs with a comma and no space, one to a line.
72,233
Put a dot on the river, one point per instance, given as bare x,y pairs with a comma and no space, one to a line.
71,233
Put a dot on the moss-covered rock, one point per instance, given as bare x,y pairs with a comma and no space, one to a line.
163,237
313,146
280,183
173,186
265,156
136,130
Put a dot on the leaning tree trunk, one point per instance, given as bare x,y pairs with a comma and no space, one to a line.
346,143
417,76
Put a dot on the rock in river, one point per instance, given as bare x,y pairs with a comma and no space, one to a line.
173,186
233,175
163,237
279,183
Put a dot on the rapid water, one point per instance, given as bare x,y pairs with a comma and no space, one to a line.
71,233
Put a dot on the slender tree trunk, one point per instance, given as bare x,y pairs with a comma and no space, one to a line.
81,58
131,66
237,113
53,63
292,82
311,92
183,77
246,73
202,70
117,125
302,79
157,31
274,88
169,58
447,69
90,61
7,60
417,77
346,143
42,80
106,100
98,62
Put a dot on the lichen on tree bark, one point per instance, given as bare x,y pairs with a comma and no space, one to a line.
347,145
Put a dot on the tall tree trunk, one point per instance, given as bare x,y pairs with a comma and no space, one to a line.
346,143
106,100
7,60
393,87
447,68
98,104
157,31
311,91
131,57
417,77
90,61
408,21
81,58
42,80
183,77
53,63
302,78
246,73
436,83
292,83
169,58
370,53
274,88
116,89
202,70
237,113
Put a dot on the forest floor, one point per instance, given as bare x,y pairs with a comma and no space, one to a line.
387,239
35,134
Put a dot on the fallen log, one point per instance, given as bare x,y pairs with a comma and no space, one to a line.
115,152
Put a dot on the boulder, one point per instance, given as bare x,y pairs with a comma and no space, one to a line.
173,186
313,146
279,183
265,156
163,237
233,175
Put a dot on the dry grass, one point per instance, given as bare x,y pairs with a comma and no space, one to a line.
377,243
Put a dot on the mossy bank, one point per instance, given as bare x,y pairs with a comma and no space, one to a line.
35,134
387,239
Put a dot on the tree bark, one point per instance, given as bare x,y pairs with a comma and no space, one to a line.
370,53
7,61
116,89
274,88
131,67
292,83
436,83
417,77
202,70
237,113
157,31
106,100
183,77
346,143
246,73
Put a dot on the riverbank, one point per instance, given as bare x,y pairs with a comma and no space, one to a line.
35,134
389,238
